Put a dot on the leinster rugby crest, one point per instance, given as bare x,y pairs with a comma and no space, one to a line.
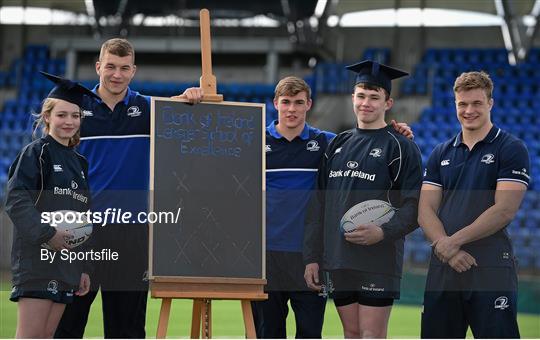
488,158
52,287
375,152
313,145
134,111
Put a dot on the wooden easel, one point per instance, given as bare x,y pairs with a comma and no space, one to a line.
204,290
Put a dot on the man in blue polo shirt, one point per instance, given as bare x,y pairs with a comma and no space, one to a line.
293,153
115,138
473,186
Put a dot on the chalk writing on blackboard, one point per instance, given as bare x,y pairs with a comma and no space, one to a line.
211,134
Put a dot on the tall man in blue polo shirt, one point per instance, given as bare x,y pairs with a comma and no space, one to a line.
473,186
115,138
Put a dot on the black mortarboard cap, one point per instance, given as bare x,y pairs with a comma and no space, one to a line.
68,90
371,72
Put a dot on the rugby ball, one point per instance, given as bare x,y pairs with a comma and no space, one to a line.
73,221
374,212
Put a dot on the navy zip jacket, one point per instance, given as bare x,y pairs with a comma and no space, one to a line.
46,176
361,165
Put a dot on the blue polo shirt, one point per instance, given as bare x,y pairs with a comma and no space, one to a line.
291,171
117,146
469,180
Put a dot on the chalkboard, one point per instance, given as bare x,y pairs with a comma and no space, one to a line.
207,167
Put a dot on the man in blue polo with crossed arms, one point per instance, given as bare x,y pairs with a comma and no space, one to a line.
473,186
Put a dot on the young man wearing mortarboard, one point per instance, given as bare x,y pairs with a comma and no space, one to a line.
48,165
365,265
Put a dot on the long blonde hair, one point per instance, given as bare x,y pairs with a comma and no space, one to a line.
46,110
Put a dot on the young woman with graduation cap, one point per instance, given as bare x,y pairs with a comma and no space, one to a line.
47,175
369,162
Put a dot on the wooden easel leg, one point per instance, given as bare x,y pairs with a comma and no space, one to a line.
164,318
249,324
196,319
206,319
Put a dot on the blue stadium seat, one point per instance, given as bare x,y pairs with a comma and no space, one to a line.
421,252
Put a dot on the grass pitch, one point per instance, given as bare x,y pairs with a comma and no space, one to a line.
228,323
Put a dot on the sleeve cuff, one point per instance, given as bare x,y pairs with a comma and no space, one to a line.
47,235
512,180
432,183
308,260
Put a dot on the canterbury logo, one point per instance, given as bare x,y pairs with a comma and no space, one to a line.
352,164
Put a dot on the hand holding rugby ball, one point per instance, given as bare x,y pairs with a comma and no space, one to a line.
374,212
74,222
